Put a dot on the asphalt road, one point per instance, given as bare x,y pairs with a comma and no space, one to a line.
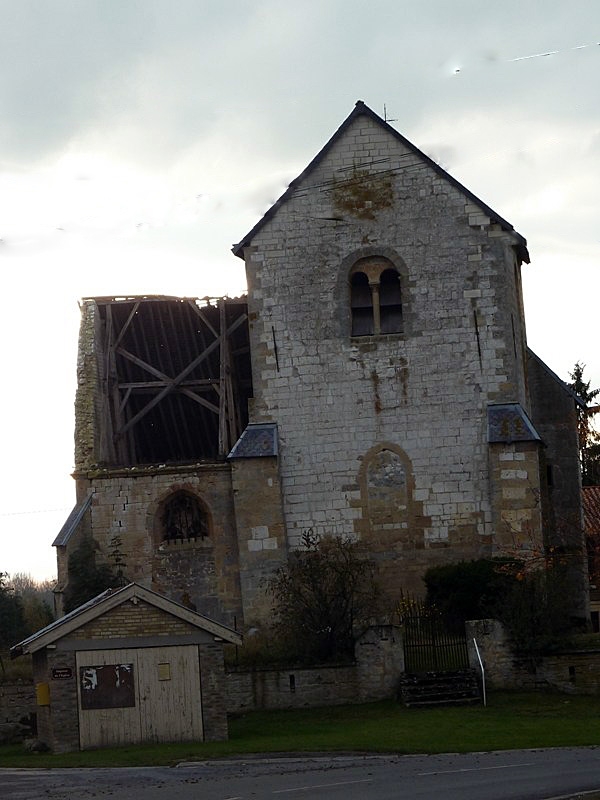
506,775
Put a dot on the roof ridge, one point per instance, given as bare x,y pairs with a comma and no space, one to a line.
362,109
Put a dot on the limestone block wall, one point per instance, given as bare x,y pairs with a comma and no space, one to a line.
517,500
204,572
337,398
17,701
261,532
93,441
374,676
575,671
250,690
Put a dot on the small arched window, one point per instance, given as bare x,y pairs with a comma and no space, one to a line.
361,302
375,298
390,301
184,517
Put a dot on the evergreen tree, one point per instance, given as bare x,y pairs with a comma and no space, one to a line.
589,439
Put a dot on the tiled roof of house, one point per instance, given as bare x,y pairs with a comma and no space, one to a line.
591,509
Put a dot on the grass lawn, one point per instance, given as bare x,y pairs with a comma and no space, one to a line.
511,720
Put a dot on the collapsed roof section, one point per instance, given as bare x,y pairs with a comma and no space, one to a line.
161,380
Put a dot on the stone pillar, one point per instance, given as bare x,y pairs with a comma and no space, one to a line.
261,532
214,697
58,722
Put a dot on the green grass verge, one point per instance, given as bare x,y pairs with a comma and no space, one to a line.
511,720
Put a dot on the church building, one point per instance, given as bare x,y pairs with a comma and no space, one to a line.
375,383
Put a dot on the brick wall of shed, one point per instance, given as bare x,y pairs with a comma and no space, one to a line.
214,692
58,723
426,390
129,620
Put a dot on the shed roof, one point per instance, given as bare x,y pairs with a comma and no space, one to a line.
110,599
361,109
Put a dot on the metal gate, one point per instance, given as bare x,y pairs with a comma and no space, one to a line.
429,645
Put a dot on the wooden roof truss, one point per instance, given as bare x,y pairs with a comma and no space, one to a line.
176,378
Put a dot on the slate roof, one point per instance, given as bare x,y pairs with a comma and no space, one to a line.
257,441
72,522
565,386
361,109
508,422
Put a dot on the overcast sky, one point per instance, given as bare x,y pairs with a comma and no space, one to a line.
139,139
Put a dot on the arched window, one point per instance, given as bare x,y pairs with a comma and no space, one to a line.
184,517
361,302
375,298
390,301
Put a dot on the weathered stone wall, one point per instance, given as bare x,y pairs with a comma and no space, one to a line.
572,671
555,418
340,400
379,661
261,532
516,499
214,697
92,441
203,572
374,676
17,701
250,690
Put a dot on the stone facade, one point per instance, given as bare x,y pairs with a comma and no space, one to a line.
387,440
390,397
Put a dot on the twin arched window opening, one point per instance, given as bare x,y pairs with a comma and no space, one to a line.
184,517
375,298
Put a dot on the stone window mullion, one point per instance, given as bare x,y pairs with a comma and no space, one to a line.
376,307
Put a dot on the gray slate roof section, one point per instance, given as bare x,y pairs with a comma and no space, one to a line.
72,522
565,386
257,441
362,109
507,422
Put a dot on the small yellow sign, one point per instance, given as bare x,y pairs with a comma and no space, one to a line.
42,694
